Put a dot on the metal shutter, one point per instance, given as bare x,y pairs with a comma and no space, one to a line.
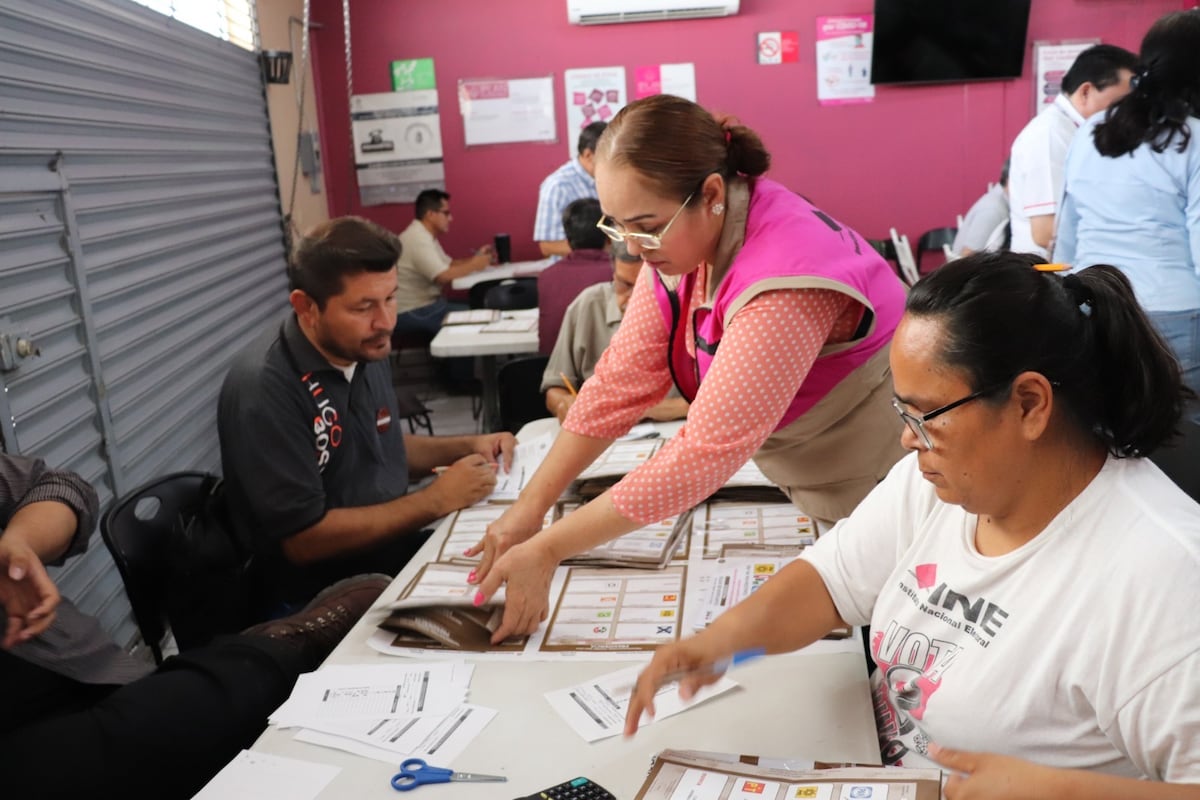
140,246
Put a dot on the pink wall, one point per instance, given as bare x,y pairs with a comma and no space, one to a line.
913,158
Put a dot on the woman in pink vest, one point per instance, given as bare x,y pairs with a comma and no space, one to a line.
771,317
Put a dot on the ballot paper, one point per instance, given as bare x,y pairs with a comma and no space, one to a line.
437,739
252,776
467,528
472,316
596,709
685,775
651,547
507,325
717,585
374,691
621,458
527,457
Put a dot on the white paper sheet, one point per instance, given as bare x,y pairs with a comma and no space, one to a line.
437,739
377,691
596,709
253,776
527,457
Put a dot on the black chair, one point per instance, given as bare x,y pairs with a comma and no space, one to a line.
1181,459
506,295
414,411
137,531
887,249
519,386
933,241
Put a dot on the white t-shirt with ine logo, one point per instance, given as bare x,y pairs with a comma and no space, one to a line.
1080,649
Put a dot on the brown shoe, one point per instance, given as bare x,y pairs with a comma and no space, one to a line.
319,626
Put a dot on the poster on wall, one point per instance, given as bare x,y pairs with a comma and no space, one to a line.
497,111
1050,64
413,74
676,79
844,59
593,95
397,145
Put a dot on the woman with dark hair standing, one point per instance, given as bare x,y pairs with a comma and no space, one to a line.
1029,577
801,308
1132,196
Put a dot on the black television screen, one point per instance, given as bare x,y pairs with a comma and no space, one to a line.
932,41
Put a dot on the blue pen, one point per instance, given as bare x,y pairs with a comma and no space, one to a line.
716,668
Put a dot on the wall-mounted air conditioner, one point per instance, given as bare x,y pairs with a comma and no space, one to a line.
603,12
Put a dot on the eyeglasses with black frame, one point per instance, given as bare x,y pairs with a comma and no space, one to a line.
646,241
916,423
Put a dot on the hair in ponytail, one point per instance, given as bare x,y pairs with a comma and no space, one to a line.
676,144
1085,332
1165,91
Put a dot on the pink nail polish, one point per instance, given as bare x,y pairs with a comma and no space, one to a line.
471,577
479,598
467,552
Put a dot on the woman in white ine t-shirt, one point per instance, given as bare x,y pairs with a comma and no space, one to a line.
1030,579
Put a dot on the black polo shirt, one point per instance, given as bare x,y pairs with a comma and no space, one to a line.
298,439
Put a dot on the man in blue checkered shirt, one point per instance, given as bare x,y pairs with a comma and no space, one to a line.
572,181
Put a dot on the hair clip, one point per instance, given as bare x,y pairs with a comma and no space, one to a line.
1052,267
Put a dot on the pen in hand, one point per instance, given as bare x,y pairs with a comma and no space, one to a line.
716,668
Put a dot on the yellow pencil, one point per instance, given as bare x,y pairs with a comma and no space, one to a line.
570,386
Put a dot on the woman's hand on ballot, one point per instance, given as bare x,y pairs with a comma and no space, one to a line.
514,526
526,571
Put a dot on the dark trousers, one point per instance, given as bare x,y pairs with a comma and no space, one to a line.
163,736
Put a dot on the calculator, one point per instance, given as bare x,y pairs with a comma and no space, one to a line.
577,789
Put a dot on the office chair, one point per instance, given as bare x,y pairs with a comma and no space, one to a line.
934,241
145,531
519,385
506,295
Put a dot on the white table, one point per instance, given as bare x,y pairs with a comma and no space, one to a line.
814,706
515,269
455,341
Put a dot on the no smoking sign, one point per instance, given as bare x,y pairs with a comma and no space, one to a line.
778,47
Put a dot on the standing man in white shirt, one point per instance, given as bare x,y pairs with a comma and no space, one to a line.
572,181
1098,78
424,268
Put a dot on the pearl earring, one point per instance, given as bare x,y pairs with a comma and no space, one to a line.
718,209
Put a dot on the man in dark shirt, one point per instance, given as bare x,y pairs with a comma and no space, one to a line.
316,464
587,265
80,716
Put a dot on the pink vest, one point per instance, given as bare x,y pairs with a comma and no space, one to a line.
788,244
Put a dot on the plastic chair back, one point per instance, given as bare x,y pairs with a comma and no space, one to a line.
518,384
934,241
137,531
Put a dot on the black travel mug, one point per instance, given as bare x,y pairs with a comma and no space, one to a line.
503,245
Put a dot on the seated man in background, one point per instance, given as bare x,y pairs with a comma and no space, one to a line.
572,181
587,265
424,269
83,717
983,228
1098,78
588,326
316,464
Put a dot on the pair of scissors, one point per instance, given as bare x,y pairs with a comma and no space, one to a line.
414,772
